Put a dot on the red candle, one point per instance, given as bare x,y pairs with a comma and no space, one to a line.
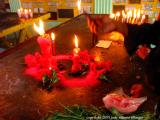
45,44
53,44
44,40
76,49
76,66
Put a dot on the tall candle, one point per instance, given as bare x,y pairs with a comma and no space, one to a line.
143,19
30,13
117,15
76,49
53,44
44,40
26,15
79,6
19,13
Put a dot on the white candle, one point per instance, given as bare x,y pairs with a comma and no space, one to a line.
79,6
19,13
30,13
26,15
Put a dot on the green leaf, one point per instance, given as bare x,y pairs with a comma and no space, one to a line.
82,113
115,112
83,73
55,80
103,77
54,73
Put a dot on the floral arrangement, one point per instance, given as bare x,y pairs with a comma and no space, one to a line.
84,70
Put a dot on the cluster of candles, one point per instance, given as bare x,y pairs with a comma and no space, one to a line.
49,40
131,16
25,13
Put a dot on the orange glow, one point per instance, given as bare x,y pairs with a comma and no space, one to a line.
21,9
135,16
112,16
76,49
52,36
118,14
29,10
143,18
76,41
97,58
79,5
39,29
138,13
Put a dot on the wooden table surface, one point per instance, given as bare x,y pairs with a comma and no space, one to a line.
10,22
22,99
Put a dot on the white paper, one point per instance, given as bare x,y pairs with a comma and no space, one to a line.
104,43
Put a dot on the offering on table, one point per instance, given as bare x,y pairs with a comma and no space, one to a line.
121,102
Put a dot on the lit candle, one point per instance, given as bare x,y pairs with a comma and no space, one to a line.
26,13
19,13
44,40
30,13
112,16
128,16
134,17
53,44
123,16
79,6
76,49
143,19
117,15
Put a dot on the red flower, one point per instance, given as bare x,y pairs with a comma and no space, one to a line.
30,60
38,65
136,90
34,72
143,52
84,57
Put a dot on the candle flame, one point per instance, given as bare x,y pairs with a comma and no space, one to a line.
76,41
118,14
52,36
139,13
39,29
97,58
135,14
79,4
29,10
112,15
21,9
143,17
25,11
